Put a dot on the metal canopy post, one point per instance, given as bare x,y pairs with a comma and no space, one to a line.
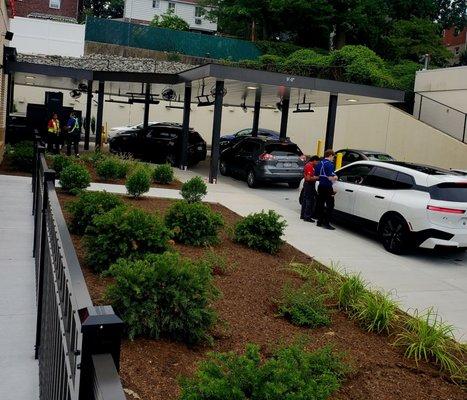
285,113
216,131
254,131
87,125
147,98
10,94
186,126
331,123
100,112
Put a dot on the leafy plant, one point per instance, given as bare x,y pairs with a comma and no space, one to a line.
74,178
89,205
427,337
193,223
291,373
139,182
163,174
350,292
194,190
218,263
60,161
164,296
22,156
261,231
304,306
124,232
376,311
110,168
169,20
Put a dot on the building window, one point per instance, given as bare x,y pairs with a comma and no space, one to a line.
54,4
199,12
156,3
171,7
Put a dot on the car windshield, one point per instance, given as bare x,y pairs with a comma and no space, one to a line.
283,149
426,169
379,157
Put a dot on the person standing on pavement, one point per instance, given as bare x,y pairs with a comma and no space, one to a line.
325,202
309,189
73,134
53,134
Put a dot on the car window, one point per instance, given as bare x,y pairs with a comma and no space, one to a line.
249,147
404,181
194,137
350,157
381,178
283,149
354,174
379,157
162,134
449,191
244,132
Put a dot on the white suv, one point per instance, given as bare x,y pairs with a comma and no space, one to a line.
407,204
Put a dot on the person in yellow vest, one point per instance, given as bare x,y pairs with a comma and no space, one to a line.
53,134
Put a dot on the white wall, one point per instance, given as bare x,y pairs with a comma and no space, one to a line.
143,10
37,36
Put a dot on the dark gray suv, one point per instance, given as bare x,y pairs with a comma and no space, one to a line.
262,159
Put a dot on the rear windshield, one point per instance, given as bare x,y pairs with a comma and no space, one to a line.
378,157
283,149
195,137
449,192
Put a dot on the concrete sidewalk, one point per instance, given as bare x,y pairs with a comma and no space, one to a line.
19,372
420,280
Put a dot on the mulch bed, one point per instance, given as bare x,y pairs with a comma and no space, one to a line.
151,368
7,169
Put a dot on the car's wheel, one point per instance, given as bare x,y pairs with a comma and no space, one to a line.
394,234
251,179
294,185
223,169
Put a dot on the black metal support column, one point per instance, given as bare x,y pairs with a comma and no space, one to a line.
331,123
186,126
87,125
147,98
254,131
216,131
285,114
100,113
10,96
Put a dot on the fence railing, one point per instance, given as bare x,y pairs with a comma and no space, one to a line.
77,343
445,118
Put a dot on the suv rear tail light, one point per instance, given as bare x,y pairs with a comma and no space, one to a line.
303,158
266,157
445,210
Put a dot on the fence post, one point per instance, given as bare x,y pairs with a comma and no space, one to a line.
36,196
102,333
49,176
420,106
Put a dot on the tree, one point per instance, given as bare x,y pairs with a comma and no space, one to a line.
170,21
104,8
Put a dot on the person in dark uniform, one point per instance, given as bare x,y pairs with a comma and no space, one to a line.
309,189
325,202
73,134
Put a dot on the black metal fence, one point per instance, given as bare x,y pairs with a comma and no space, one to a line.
77,343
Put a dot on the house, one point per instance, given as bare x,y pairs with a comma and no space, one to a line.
64,9
143,11
455,40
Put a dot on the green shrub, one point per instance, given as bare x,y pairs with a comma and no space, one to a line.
60,162
376,311
163,174
124,232
291,373
74,178
304,306
350,292
281,49
427,337
139,182
111,168
261,231
87,206
194,190
218,263
22,156
94,157
193,223
164,296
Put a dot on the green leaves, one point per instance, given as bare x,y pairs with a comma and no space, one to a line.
163,174
22,156
139,182
170,21
74,178
194,190
111,168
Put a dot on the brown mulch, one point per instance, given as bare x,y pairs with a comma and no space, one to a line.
151,368
7,169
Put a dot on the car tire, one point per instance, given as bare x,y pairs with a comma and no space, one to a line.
223,169
294,185
395,235
251,180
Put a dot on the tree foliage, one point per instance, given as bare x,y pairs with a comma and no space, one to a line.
104,8
170,21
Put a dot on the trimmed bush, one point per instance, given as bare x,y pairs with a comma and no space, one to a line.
124,232
111,168
194,190
291,373
304,306
89,205
193,223
261,231
163,174
60,162
74,178
164,296
22,156
139,182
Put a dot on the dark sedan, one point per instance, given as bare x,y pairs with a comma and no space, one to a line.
261,159
230,140
351,155
159,143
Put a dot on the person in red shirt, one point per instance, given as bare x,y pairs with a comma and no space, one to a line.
309,189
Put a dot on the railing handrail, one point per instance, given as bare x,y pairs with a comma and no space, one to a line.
442,104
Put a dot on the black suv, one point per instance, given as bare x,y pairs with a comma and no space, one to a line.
159,143
262,159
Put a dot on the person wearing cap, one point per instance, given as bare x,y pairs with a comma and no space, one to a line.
325,201
309,189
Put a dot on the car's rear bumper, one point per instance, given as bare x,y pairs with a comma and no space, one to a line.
265,174
431,238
